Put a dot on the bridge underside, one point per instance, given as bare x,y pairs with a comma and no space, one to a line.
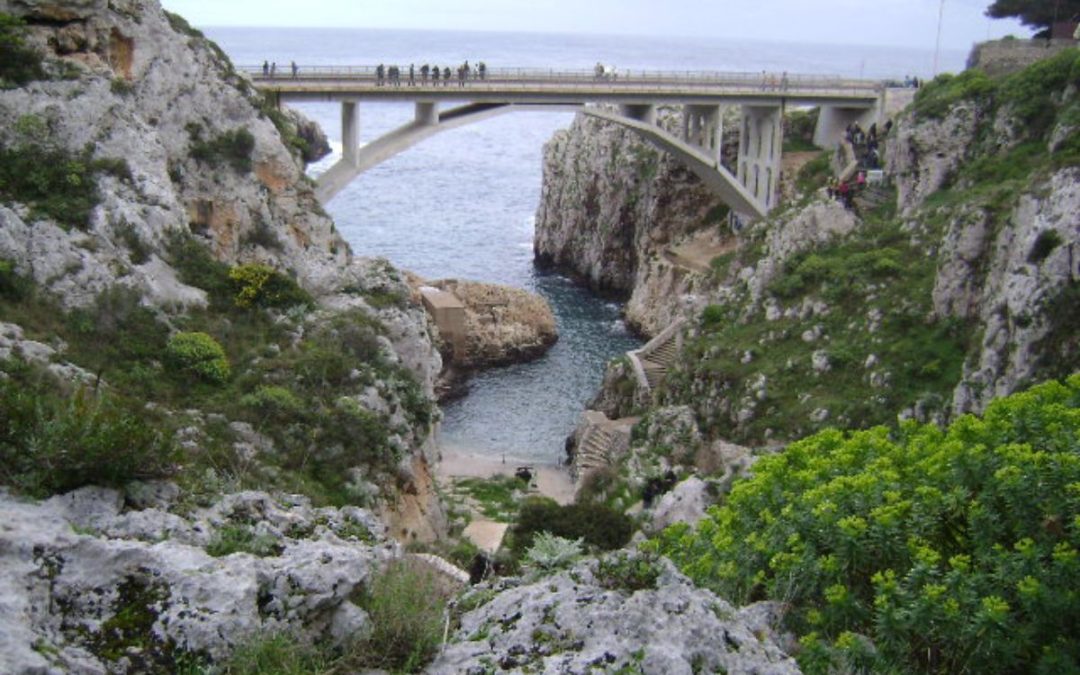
751,193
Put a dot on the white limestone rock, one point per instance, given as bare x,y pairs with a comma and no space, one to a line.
68,565
582,621
685,503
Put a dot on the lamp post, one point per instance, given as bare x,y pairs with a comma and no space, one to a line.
937,47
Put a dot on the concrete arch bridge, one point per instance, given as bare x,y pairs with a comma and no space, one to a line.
751,192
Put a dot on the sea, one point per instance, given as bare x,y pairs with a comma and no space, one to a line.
462,204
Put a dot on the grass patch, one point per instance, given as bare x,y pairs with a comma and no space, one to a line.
407,612
495,497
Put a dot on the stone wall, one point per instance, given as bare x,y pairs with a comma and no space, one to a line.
1009,55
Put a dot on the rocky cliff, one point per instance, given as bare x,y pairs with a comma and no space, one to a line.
611,205
136,160
933,295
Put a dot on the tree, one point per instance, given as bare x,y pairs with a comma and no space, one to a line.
1040,14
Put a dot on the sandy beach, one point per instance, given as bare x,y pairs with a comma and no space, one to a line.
551,481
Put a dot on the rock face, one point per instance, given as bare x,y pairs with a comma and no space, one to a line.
148,91
609,205
95,581
139,88
1006,272
627,219
589,619
503,325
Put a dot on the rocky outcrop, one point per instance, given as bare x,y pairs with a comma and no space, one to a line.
195,151
503,325
98,581
145,90
596,617
610,203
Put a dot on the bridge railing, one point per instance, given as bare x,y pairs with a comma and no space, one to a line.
658,79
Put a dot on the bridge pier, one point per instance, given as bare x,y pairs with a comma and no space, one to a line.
834,120
760,150
702,126
427,113
350,133
643,112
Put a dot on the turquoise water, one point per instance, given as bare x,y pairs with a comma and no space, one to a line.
462,203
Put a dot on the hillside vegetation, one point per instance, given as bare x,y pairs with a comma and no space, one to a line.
953,550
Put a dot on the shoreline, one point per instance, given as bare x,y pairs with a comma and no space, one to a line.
551,480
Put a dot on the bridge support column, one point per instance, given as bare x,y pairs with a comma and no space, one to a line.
760,150
702,127
833,121
427,113
641,112
350,133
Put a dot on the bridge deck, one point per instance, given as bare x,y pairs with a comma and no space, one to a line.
521,85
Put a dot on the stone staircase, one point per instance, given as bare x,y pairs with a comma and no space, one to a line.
652,362
594,451
659,360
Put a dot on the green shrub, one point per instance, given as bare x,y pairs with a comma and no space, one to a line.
196,266
199,354
597,525
1030,93
935,98
52,442
242,539
274,403
713,316
231,147
13,286
632,571
262,286
53,182
277,654
1044,245
407,612
955,551
814,174
19,64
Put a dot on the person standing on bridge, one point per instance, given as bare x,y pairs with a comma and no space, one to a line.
412,75
273,69
446,76
435,75
295,70
483,70
424,71
266,68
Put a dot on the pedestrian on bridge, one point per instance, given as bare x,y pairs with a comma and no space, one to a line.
446,76
483,70
266,68
435,75
380,72
424,71
295,70
462,72
412,75
273,69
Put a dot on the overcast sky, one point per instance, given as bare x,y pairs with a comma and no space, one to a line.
911,23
